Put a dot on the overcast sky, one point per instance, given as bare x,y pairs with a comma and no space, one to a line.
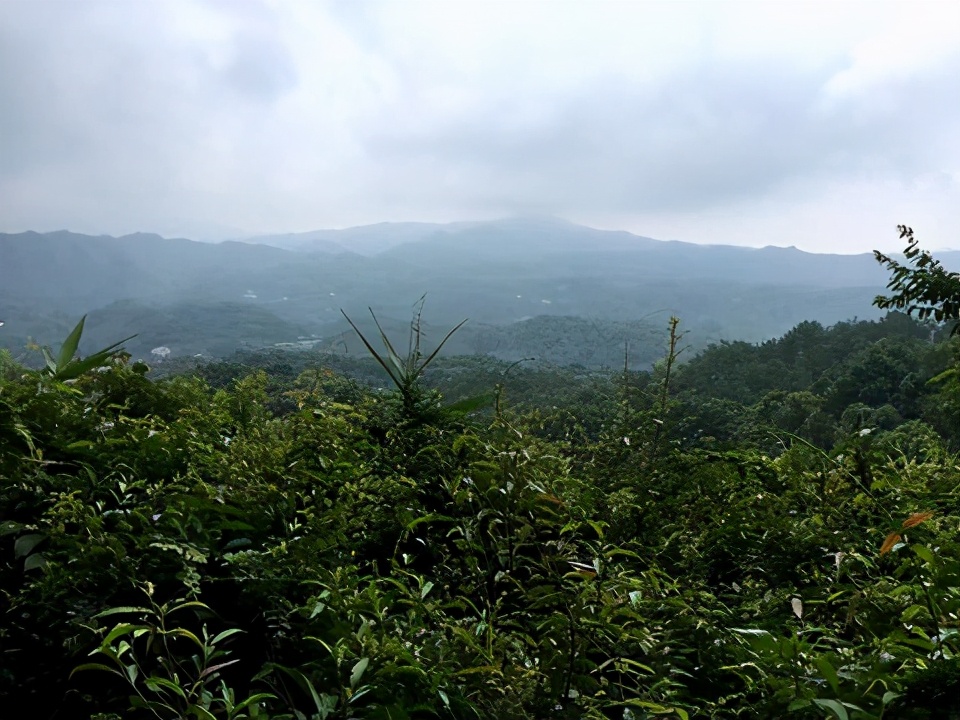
820,125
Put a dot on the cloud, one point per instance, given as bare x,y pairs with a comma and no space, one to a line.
693,139
273,116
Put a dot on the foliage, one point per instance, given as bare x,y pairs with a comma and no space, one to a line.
922,286
285,543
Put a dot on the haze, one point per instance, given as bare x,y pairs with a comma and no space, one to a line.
820,125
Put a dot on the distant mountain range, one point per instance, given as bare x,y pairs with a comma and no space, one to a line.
507,276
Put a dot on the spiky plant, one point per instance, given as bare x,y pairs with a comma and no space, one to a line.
407,370
66,367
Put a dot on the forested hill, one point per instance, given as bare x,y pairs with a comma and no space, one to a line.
190,297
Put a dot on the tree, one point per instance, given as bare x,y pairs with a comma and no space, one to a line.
922,285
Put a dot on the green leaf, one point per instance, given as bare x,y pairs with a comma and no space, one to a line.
154,683
69,347
225,634
122,610
357,672
34,562
252,700
182,632
889,696
374,353
432,355
924,553
325,645
26,543
190,603
833,706
237,543
50,362
829,673
8,527
202,713
119,631
911,612
427,587
95,666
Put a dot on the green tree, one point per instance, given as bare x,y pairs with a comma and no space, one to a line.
921,285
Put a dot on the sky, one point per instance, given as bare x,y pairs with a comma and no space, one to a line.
820,125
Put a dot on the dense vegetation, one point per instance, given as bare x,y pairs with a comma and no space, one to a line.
763,531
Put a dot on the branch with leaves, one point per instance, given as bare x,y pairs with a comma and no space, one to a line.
922,286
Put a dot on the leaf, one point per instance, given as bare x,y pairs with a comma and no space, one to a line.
155,682
69,347
190,603
8,527
34,562
833,706
917,518
50,362
634,663
121,610
237,543
119,631
442,342
796,604
253,699
889,696
427,587
95,666
76,368
202,713
26,543
376,356
225,634
325,645
829,673
182,632
911,612
891,540
357,672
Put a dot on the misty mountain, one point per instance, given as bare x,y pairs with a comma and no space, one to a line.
504,243
363,240
602,288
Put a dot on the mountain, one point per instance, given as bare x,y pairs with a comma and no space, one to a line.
363,240
602,288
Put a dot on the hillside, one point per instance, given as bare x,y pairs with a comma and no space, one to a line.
502,275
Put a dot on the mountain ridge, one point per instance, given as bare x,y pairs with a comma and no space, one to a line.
495,272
